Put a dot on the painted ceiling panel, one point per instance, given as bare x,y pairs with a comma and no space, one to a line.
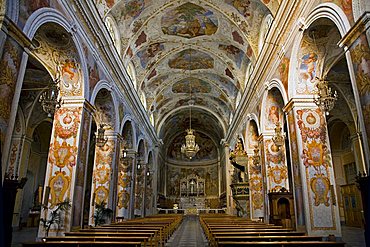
184,49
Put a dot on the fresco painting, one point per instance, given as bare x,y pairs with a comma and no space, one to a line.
196,85
189,20
149,52
318,167
273,112
307,73
234,54
242,6
191,59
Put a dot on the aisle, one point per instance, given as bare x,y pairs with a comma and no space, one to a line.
188,234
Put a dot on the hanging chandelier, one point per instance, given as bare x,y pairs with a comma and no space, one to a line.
49,98
190,148
325,98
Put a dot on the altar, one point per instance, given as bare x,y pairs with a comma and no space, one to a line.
192,194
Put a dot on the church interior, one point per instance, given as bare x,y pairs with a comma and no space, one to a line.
127,122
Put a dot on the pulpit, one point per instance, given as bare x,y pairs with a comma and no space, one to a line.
282,208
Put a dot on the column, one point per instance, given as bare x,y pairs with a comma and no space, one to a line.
316,169
103,174
131,154
63,158
123,185
229,171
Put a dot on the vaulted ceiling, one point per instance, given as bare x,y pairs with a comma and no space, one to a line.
189,50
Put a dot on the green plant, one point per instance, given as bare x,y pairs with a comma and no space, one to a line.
55,216
101,213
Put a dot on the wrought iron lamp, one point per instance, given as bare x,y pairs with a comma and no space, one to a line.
49,99
325,98
279,137
101,140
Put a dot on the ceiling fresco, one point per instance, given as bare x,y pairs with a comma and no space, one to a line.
187,49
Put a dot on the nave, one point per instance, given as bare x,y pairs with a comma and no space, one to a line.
176,230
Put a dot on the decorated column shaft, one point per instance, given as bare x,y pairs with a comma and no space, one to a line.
296,172
317,173
139,188
124,186
60,175
102,174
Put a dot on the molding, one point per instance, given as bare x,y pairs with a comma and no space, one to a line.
13,31
360,27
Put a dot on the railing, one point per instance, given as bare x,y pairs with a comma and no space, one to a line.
191,211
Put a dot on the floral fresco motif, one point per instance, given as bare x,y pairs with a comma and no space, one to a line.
67,122
189,20
196,85
70,84
149,52
315,154
307,73
191,59
62,154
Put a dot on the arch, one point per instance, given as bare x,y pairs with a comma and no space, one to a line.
103,84
111,25
141,141
248,133
50,15
263,118
128,120
276,83
266,25
324,10
158,128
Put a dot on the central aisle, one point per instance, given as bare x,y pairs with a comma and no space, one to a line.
189,234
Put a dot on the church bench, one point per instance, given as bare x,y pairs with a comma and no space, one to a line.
282,244
82,244
144,240
270,238
261,233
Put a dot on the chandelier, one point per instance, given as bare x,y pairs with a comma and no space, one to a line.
190,148
279,137
49,98
101,140
325,98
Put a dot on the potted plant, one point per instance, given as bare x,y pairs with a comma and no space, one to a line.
102,213
55,216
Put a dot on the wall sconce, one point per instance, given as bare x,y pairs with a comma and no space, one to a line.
325,98
279,137
101,140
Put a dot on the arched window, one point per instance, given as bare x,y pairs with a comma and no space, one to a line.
131,73
113,31
265,27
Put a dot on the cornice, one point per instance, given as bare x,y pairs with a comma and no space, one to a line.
269,51
361,25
